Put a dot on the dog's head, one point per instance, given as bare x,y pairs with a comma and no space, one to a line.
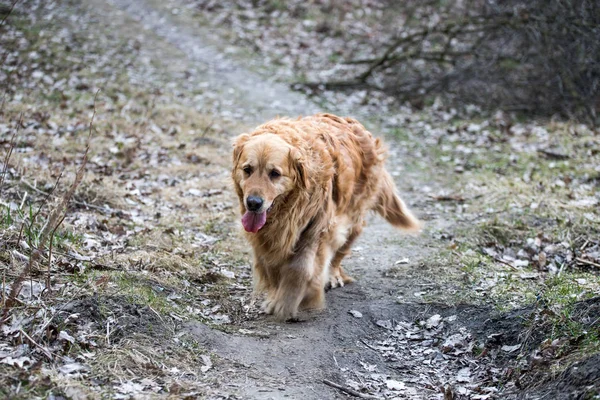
265,169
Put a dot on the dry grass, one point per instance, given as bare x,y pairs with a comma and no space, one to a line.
526,231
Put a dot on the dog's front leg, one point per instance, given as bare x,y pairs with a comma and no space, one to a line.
294,278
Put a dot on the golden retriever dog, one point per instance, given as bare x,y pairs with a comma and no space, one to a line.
304,188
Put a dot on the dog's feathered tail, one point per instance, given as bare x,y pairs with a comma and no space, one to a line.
392,208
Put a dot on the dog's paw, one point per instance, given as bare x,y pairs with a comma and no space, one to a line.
267,306
336,281
338,278
284,311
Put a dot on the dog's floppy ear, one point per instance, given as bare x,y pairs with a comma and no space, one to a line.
297,165
238,146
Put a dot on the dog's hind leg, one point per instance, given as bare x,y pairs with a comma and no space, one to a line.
337,276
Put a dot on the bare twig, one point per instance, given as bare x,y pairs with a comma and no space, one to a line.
43,203
505,263
104,210
33,342
554,155
448,197
207,128
12,7
48,288
47,323
9,153
369,346
349,391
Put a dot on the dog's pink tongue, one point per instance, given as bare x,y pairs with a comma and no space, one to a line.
253,221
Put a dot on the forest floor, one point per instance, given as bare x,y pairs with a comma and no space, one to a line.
146,292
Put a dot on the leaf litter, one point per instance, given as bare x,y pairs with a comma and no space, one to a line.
151,236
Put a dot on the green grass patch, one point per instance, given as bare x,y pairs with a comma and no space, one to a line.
562,296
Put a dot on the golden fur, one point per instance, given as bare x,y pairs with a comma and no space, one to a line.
318,176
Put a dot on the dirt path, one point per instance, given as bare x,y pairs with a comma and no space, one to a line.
293,359
244,94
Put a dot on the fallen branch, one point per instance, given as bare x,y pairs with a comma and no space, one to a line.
417,38
588,262
349,391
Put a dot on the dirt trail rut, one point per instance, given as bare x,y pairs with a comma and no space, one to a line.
255,98
291,360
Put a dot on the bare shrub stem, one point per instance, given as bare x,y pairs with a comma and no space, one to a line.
55,219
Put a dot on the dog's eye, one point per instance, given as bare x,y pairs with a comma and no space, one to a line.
248,169
274,174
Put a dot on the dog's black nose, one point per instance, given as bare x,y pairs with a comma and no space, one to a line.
254,203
